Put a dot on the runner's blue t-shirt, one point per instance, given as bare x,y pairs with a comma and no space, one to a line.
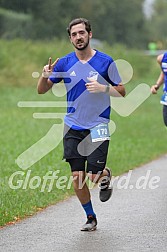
86,110
164,69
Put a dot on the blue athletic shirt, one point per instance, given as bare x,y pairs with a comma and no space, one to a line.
164,69
86,110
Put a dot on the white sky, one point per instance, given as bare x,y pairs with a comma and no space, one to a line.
148,7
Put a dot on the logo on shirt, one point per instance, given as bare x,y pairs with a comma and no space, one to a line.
73,73
93,75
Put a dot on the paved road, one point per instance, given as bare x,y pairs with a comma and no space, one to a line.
134,219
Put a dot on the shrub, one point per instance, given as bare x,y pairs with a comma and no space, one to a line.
15,25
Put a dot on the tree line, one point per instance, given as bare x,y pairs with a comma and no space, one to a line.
112,21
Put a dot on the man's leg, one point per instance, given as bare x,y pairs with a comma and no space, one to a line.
80,186
83,193
96,170
103,175
104,179
77,162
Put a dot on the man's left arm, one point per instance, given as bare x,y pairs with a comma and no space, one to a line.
116,91
95,87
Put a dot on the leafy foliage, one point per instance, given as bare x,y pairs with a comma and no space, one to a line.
157,23
110,20
14,24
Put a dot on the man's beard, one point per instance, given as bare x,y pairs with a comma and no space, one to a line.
84,45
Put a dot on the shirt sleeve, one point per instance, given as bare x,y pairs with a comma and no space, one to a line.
57,73
113,74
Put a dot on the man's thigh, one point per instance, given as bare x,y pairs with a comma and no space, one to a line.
96,161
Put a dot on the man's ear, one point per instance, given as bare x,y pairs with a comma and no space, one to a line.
90,34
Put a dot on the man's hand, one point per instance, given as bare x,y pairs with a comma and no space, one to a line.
47,70
95,87
154,89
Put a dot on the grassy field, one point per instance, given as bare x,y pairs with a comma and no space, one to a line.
138,139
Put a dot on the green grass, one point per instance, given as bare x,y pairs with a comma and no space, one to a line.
18,132
138,139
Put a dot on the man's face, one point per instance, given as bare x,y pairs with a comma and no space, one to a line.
79,36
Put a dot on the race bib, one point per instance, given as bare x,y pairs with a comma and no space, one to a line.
164,99
100,133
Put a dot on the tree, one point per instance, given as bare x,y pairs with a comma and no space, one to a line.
18,5
157,23
112,21
51,18
116,21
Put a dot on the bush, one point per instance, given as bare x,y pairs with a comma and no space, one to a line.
15,25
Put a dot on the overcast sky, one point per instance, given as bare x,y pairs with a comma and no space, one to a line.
148,7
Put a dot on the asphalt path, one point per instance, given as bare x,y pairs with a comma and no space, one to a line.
134,219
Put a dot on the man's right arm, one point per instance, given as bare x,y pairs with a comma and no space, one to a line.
44,84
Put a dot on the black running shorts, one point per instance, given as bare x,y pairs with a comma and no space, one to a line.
81,153
165,114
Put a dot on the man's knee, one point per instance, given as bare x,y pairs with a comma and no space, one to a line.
94,177
78,176
79,180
